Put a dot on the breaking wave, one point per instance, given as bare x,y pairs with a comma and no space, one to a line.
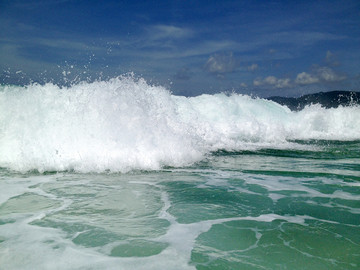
124,124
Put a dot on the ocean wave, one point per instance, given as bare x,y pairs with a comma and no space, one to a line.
124,124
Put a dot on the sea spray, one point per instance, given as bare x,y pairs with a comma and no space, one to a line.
126,124
117,125
272,187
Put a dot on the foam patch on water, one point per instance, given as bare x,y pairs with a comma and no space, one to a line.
138,201
126,124
55,251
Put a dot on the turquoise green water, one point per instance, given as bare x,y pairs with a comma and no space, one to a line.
263,209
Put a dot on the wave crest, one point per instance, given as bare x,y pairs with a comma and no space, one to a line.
125,124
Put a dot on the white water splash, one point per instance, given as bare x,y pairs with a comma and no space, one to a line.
125,124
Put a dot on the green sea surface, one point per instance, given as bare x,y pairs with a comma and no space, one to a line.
260,209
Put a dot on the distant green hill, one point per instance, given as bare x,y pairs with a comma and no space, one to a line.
331,99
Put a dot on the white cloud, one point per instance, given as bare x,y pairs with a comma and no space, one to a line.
327,74
257,82
304,78
331,59
283,83
161,31
329,56
319,75
221,63
208,47
270,80
244,85
253,67
273,82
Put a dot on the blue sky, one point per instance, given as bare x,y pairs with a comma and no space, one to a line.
263,48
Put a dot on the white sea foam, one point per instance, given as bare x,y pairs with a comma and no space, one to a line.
125,124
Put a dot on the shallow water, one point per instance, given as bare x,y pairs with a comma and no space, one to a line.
264,209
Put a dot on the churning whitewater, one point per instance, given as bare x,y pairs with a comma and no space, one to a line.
216,181
125,124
